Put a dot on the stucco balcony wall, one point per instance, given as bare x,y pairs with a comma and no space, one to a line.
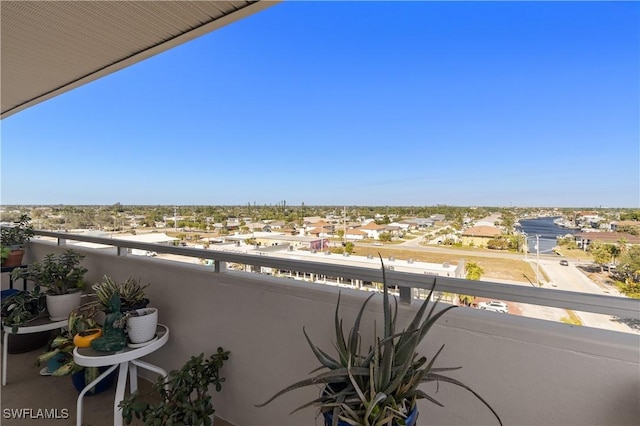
533,372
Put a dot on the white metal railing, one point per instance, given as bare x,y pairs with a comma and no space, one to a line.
600,304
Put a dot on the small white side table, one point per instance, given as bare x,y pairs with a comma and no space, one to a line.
128,361
36,326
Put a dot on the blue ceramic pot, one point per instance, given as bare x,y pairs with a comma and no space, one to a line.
78,381
410,420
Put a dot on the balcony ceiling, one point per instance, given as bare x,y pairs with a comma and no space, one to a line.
50,47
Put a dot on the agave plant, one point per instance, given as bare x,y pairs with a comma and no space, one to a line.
377,386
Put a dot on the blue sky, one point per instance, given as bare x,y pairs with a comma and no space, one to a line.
355,103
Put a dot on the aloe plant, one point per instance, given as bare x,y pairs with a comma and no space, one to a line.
379,385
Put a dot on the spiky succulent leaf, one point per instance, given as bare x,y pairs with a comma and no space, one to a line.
355,330
322,356
378,386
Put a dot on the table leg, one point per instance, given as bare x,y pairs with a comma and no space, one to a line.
5,346
122,383
150,367
86,389
133,377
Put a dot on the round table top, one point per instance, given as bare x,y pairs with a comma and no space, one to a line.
89,357
37,325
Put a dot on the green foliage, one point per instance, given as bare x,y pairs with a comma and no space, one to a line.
630,229
629,288
185,394
473,270
4,252
630,215
379,385
80,319
466,299
22,307
348,247
568,243
600,252
60,274
130,292
17,235
498,243
385,237
628,272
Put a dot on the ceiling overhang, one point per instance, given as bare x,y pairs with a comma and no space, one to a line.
51,47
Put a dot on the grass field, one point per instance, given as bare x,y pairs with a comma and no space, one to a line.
500,268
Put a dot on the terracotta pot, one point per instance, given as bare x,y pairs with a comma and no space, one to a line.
14,259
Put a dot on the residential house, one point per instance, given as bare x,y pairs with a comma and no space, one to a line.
479,235
419,222
584,239
373,230
355,235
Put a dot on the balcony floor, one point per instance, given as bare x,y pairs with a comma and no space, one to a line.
26,388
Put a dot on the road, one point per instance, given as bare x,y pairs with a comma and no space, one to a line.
562,277
571,279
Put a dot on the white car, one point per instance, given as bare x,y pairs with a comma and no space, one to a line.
494,306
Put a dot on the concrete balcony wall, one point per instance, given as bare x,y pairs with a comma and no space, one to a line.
533,372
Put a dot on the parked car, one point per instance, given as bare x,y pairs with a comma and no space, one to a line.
494,306
564,262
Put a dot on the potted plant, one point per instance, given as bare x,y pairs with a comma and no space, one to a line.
21,307
378,385
141,325
62,276
82,327
130,292
13,239
184,394
138,321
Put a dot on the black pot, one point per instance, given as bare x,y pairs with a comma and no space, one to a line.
21,343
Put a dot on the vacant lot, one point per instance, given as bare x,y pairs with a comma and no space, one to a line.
499,268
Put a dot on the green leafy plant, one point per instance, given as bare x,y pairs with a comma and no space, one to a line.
4,252
130,291
22,307
19,234
185,397
60,274
379,385
81,319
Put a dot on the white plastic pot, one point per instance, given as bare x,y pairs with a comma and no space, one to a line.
142,328
61,305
